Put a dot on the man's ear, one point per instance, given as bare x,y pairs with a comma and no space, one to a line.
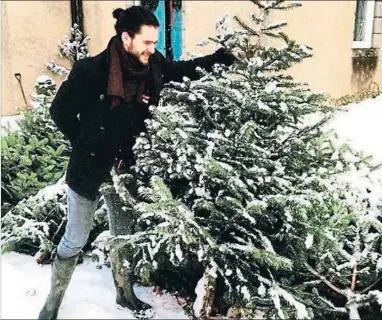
126,39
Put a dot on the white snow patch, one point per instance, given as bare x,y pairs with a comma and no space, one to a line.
228,272
90,295
309,241
244,291
360,126
9,124
379,264
261,290
178,252
200,291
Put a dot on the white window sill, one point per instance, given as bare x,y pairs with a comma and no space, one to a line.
361,44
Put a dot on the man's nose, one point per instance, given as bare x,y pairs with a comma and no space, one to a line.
152,49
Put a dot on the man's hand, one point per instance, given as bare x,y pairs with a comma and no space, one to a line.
223,56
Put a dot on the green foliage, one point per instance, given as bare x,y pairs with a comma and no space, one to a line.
35,223
31,158
38,223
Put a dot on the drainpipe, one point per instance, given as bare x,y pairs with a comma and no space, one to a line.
77,14
168,7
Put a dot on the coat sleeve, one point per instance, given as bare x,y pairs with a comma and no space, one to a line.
66,104
175,71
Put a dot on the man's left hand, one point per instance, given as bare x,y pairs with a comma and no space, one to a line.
223,56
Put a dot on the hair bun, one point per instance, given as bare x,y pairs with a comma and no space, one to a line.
117,13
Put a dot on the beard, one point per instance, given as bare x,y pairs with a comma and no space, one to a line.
143,56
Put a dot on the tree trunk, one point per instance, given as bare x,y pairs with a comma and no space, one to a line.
205,290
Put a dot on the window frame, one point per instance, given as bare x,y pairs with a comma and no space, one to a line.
369,22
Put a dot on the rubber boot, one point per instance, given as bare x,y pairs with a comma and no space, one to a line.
123,280
62,271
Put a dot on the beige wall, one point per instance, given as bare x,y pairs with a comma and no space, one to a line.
29,33
99,22
326,26
31,29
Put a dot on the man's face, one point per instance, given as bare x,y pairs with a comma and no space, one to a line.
143,43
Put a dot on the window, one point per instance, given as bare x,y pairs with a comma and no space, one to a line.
363,27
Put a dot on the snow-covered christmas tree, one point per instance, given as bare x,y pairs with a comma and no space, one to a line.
73,48
239,183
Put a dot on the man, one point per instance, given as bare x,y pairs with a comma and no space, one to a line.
101,108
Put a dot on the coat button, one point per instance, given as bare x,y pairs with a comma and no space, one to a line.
101,97
92,154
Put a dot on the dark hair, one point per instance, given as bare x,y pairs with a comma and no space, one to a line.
132,19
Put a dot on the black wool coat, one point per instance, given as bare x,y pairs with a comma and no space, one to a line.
81,110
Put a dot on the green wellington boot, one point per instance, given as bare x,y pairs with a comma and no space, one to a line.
123,280
62,271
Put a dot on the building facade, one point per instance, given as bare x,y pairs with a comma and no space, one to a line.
345,37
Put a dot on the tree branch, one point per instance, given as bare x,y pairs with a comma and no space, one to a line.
371,286
326,281
354,278
301,132
246,27
59,229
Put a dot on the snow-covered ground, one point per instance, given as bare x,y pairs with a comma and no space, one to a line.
91,292
90,295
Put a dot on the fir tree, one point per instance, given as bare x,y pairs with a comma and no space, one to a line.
237,181
347,278
73,48
35,155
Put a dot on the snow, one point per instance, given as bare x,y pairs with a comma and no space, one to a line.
309,241
379,264
228,272
302,312
178,252
90,295
9,124
200,291
360,124
352,305
261,290
244,291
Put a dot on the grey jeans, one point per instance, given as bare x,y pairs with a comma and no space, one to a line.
80,218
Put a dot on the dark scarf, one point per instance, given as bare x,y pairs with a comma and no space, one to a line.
124,66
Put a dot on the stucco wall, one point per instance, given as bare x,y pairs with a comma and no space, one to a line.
326,26
99,22
29,35
30,32
31,29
